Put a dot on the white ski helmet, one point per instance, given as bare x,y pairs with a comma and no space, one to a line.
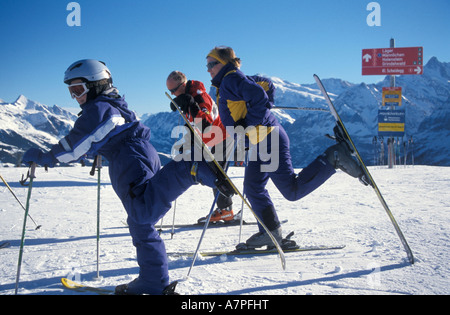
88,69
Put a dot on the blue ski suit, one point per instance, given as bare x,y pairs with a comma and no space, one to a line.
107,127
243,102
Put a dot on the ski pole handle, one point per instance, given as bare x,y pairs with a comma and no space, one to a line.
33,170
97,164
30,174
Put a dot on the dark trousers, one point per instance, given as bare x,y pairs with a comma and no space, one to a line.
291,185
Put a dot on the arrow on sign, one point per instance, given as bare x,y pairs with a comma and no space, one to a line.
367,57
418,70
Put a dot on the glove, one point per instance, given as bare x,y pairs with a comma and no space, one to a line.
172,107
39,157
187,104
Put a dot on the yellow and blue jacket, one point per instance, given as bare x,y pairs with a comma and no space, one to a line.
241,99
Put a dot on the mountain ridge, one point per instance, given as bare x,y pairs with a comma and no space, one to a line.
26,123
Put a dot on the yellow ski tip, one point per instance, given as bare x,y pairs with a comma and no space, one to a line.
70,284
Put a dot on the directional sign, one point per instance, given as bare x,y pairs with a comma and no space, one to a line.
392,61
391,123
392,96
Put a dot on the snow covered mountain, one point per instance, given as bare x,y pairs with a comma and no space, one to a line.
426,98
25,124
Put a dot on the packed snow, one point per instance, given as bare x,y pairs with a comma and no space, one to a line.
341,212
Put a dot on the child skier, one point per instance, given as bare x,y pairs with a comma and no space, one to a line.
107,127
243,103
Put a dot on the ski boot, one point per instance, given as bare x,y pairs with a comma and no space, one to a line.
341,155
138,287
225,215
285,243
261,239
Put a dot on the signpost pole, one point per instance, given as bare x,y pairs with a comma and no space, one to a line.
391,62
392,45
391,157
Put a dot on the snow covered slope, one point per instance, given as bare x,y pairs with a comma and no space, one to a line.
341,212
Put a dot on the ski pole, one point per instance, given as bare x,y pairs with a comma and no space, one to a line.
98,164
203,234
242,206
175,204
160,230
99,167
173,220
218,170
31,176
207,221
301,108
12,192
242,220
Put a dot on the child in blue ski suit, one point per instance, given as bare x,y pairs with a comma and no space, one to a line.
107,127
244,103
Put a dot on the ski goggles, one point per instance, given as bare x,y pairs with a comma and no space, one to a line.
212,64
175,89
77,90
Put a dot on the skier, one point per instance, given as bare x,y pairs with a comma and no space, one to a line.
107,127
243,103
201,111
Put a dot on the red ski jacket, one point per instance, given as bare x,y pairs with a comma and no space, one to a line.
208,114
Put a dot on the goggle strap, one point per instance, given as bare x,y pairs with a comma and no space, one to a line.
98,83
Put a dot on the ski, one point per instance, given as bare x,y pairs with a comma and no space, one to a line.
4,245
287,245
211,224
253,252
81,288
234,222
197,225
341,134
218,170
74,286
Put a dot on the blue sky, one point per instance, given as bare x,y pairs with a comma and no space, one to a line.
142,41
